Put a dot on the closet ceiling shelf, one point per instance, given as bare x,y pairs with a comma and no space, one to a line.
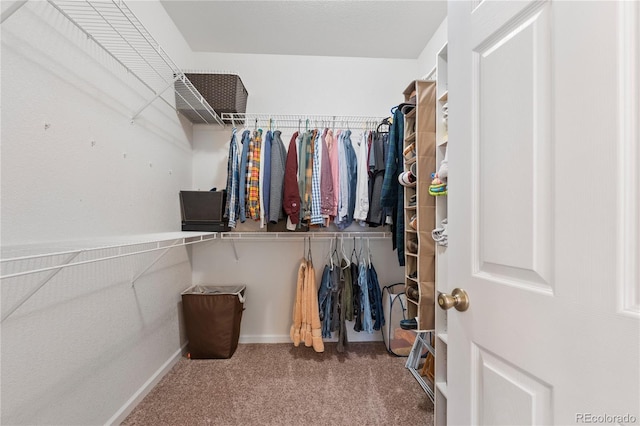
302,121
113,27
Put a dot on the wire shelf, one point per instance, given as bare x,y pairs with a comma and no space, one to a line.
301,121
112,25
287,236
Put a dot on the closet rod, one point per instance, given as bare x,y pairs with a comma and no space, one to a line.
302,121
270,236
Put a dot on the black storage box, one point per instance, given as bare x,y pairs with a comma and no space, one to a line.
212,316
203,211
223,92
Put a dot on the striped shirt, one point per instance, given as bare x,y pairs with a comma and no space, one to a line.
316,214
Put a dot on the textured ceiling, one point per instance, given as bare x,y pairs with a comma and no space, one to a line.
374,29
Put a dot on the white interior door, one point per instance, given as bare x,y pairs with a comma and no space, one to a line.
544,217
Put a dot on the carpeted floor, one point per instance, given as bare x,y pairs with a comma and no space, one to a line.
278,384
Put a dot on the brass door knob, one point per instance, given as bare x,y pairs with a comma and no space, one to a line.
458,299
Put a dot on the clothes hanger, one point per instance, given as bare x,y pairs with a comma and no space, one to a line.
369,252
310,256
335,253
344,255
304,248
354,252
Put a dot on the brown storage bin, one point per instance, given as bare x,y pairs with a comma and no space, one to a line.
223,92
212,317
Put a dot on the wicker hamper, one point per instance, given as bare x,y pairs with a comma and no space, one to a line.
223,92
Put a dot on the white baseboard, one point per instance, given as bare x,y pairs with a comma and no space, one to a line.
139,395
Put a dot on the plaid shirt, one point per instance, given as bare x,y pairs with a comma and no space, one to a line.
242,174
232,208
253,203
316,214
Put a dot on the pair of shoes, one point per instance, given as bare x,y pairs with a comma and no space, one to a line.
412,293
413,222
412,246
413,275
409,324
440,235
410,151
412,201
407,179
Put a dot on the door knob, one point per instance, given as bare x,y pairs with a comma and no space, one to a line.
458,299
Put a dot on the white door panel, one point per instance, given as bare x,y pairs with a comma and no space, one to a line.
497,381
543,208
629,160
512,138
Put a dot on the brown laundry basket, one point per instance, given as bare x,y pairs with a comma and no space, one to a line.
212,316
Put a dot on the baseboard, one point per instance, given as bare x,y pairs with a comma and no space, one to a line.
284,338
265,338
135,399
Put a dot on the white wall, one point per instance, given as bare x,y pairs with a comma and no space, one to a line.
427,59
289,85
87,341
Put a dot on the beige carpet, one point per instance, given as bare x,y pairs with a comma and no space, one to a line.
278,384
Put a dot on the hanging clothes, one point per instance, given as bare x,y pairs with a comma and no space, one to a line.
352,170
392,193
357,298
253,203
308,175
242,181
277,172
291,194
302,170
306,319
365,304
232,208
316,197
265,181
342,324
327,206
375,298
377,171
343,201
325,301
362,180
332,145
